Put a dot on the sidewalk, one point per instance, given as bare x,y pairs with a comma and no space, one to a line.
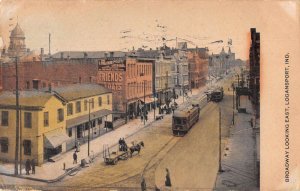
50,171
238,159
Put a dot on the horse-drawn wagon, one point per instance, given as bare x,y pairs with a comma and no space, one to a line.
113,157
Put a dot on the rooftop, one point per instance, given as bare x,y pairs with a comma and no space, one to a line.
77,91
88,54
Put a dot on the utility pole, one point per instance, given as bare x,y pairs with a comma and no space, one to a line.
20,142
49,44
89,126
17,118
232,103
220,150
144,102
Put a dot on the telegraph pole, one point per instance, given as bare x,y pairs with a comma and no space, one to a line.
144,102
220,150
232,103
89,128
17,118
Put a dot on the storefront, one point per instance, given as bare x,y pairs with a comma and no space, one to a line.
54,143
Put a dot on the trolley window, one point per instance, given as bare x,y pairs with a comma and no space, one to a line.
179,121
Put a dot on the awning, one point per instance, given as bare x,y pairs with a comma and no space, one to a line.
85,118
55,138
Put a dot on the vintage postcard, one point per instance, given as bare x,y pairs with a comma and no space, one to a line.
129,95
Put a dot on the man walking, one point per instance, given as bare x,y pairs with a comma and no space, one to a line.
33,166
143,184
27,166
74,158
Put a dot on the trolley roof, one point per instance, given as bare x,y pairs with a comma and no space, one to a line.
184,112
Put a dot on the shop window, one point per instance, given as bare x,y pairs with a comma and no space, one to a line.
4,144
70,109
99,121
27,120
78,106
4,118
70,132
46,119
27,147
60,115
100,101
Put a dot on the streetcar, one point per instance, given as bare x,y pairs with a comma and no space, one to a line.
184,118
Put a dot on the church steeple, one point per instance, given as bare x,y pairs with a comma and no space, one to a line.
17,45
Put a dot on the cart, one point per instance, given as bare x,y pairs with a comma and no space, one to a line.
113,157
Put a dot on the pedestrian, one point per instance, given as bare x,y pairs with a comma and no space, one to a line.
74,158
168,180
33,166
27,166
143,184
120,144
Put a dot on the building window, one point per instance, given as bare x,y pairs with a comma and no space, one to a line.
35,84
85,105
27,85
78,106
108,99
4,144
4,118
27,147
27,120
100,101
92,103
70,132
60,115
70,109
46,119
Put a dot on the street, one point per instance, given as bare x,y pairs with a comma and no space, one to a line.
192,160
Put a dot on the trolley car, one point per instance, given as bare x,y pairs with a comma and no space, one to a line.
184,119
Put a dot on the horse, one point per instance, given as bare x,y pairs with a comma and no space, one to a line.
137,147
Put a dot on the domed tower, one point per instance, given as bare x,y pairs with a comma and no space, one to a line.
17,45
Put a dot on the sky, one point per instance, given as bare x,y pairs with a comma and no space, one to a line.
90,25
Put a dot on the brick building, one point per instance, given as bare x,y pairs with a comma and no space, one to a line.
129,78
198,67
254,62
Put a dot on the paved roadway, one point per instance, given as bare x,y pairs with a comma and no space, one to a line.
193,162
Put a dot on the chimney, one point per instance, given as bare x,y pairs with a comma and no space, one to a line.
50,88
105,55
85,55
111,54
61,55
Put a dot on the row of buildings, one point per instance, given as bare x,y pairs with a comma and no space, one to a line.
63,94
154,74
